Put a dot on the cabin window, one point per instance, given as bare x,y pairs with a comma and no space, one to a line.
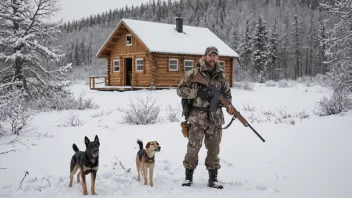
188,65
139,64
173,64
116,65
222,65
128,39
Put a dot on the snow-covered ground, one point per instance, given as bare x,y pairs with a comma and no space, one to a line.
301,157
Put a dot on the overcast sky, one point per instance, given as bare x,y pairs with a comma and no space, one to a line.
76,9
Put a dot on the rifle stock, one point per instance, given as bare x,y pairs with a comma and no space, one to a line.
200,79
236,113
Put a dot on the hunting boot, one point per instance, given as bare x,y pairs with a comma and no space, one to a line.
189,177
213,179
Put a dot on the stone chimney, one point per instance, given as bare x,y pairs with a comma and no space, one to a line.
179,23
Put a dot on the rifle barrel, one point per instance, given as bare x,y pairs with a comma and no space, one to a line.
256,132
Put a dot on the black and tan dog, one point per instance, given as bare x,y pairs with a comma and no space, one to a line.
145,160
87,162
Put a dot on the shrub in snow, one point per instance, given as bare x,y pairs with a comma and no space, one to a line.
142,111
172,114
337,103
283,83
101,113
306,80
82,104
268,114
302,115
320,79
270,83
71,120
244,85
283,116
118,162
64,102
16,117
253,117
247,107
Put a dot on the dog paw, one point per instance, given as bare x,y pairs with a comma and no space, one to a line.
93,193
138,179
85,193
145,183
151,184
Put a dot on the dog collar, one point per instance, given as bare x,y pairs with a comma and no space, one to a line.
148,159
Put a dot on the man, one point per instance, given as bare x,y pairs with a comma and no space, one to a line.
204,123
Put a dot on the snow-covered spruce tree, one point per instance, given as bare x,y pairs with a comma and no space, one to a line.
260,49
272,63
322,36
27,57
246,51
296,43
339,45
284,52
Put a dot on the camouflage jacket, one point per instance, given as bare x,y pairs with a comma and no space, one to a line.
188,90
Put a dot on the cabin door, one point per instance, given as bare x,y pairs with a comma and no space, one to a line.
128,73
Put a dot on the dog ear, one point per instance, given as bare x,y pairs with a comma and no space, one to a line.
148,145
86,140
96,139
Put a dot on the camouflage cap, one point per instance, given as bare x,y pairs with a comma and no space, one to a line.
211,49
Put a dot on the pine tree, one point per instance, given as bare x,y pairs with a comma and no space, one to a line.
284,51
83,51
246,50
273,70
322,50
297,35
77,55
25,44
260,49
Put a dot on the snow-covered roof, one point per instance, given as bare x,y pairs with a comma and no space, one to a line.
164,38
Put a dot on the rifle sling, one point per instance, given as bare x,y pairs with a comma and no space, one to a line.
229,124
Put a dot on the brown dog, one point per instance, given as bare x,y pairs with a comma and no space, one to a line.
145,160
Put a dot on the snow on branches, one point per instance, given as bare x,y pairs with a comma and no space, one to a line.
26,49
339,44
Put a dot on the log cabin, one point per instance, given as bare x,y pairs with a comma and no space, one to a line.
150,55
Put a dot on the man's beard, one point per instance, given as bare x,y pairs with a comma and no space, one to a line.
208,63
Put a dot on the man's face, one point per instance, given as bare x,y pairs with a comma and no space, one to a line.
211,59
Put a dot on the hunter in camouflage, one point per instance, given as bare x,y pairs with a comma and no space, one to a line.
204,123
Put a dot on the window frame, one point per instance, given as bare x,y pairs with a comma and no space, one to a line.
137,59
188,66
127,35
170,59
224,64
113,66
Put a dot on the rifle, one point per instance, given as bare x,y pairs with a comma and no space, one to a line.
217,96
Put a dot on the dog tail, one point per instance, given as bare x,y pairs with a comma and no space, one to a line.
75,148
140,143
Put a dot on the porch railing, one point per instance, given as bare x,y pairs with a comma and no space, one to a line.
94,80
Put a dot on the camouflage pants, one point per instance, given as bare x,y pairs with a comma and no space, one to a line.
212,141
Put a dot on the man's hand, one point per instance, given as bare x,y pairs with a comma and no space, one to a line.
230,110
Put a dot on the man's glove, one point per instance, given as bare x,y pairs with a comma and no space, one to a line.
203,94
